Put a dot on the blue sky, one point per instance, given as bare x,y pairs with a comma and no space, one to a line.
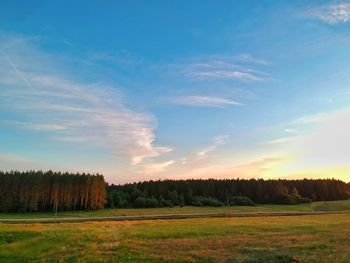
176,89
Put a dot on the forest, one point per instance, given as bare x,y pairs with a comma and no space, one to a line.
50,191
56,191
213,192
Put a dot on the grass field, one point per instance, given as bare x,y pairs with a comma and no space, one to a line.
320,238
316,238
316,206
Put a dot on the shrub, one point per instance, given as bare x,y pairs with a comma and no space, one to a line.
145,202
206,201
164,202
305,200
241,200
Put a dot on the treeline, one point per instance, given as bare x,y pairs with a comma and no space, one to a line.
55,191
214,192
50,191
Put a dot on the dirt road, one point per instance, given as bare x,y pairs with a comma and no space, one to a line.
54,219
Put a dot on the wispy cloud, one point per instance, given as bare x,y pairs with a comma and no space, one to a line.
291,130
226,67
37,126
250,58
70,110
155,168
278,141
202,160
202,156
311,119
331,14
14,67
299,128
203,101
218,141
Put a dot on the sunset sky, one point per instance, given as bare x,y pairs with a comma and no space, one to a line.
140,90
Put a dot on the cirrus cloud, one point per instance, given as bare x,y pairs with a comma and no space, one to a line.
64,109
331,14
244,68
203,101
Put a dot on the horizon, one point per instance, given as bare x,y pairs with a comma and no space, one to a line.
174,179
176,90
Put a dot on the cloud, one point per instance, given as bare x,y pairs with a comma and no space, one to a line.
224,74
291,130
226,68
37,126
311,119
203,101
218,141
36,92
250,58
13,65
278,141
154,168
202,157
331,14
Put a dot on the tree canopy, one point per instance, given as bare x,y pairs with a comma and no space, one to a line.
213,192
50,191
56,191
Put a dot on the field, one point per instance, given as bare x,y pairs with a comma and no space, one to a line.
307,238
316,206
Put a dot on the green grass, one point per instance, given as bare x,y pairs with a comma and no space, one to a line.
307,238
316,238
342,205
316,206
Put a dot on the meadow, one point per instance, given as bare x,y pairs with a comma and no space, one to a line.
307,238
315,206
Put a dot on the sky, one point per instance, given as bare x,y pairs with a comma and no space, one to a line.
141,90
